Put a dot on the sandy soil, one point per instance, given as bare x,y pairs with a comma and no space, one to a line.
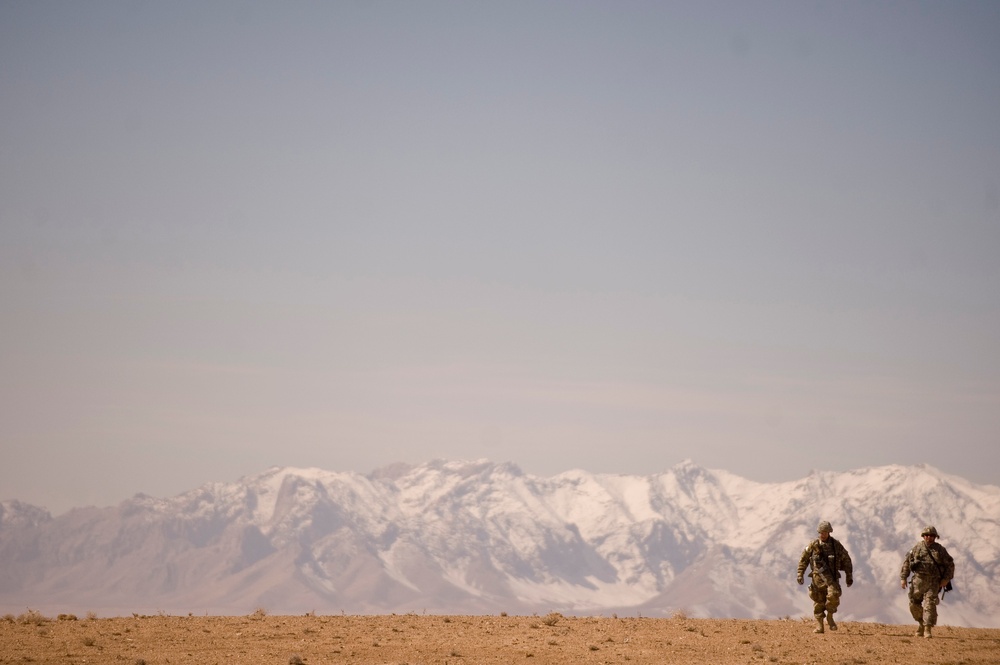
260,639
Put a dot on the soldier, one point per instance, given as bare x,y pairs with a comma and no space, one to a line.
932,568
827,557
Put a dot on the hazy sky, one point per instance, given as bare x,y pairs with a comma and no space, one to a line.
601,235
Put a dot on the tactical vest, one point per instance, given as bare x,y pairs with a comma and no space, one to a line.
823,558
924,563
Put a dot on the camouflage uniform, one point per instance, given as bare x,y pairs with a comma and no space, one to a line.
826,559
932,569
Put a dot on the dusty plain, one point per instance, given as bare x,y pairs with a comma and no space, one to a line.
261,639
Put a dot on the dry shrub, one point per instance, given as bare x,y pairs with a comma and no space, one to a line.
33,616
552,619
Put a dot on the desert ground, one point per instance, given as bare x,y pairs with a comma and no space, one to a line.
260,639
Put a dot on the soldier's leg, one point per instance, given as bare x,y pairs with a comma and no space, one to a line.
930,611
819,608
818,595
832,603
916,603
929,607
832,598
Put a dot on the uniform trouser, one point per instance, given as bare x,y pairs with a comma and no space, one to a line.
924,599
825,596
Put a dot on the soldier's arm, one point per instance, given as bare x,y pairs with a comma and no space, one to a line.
949,566
846,565
803,560
904,571
845,560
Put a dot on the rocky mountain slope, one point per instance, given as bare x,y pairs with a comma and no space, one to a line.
481,537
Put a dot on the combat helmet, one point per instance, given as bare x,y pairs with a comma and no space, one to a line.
930,531
826,526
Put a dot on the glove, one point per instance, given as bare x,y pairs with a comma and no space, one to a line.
850,580
799,579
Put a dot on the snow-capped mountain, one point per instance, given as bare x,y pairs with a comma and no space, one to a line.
15,514
481,537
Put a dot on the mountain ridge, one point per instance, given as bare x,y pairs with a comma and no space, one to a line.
484,537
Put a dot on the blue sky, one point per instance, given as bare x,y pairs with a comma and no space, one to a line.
598,235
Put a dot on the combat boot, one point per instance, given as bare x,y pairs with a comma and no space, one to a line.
819,624
927,632
920,631
829,620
